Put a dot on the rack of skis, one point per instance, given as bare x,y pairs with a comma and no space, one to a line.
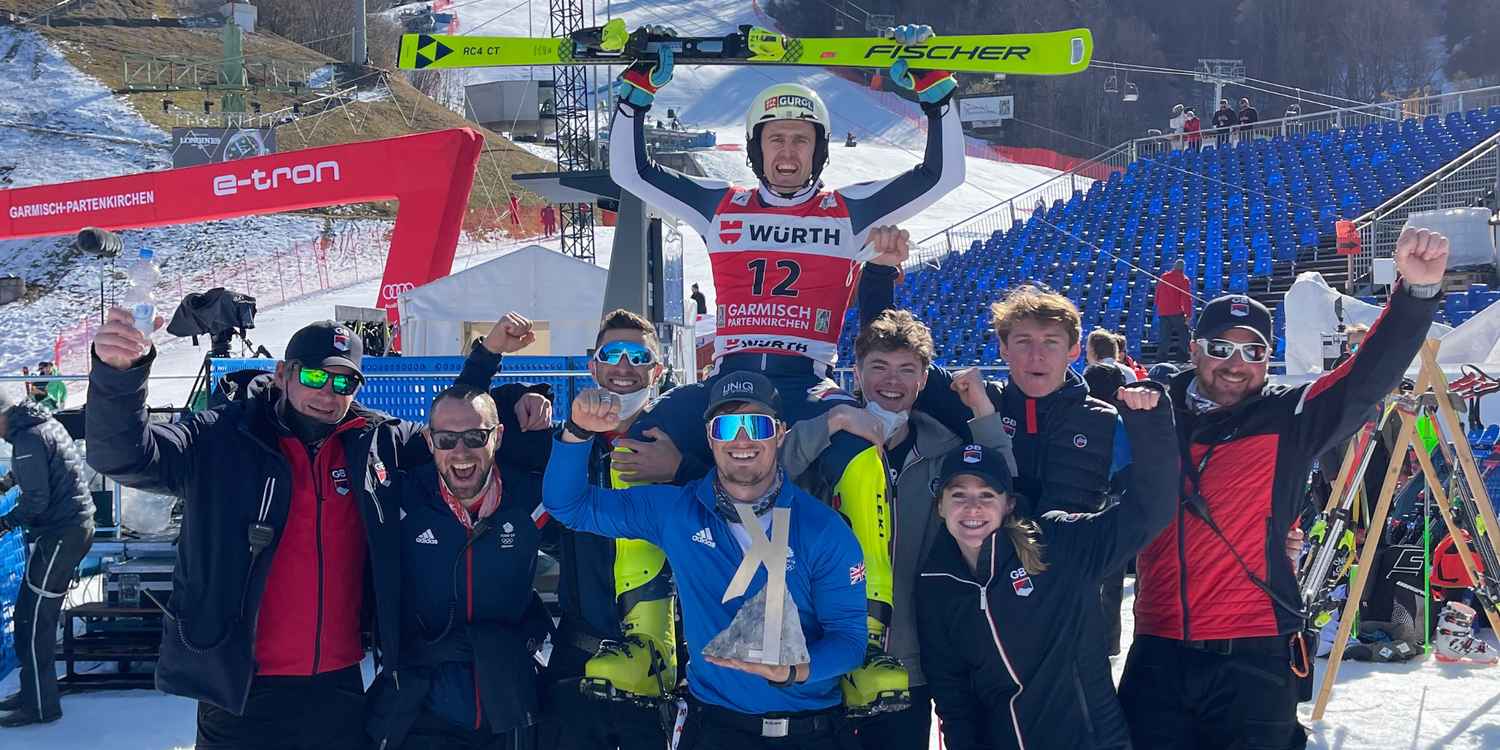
1435,561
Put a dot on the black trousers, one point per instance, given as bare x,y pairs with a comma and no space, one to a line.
1180,698
910,729
703,731
322,712
49,570
1166,347
432,732
574,721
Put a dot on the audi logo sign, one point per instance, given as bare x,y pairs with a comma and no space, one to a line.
392,291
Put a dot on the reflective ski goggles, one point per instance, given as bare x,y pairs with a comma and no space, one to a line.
636,354
343,385
1252,352
447,440
726,427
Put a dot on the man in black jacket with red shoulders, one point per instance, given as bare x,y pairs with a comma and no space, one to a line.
1218,617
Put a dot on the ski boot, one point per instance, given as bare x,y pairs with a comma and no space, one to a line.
1456,642
880,684
641,667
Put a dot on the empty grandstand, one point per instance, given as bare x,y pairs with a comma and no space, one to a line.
1245,217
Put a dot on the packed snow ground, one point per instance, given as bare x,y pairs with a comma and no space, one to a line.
1421,705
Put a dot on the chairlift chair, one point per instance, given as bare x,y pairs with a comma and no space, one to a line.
1131,92
1111,85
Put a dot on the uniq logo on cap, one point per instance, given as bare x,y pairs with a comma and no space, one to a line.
737,386
972,454
1239,306
341,339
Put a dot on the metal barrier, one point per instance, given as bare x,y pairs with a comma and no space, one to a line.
1456,185
404,387
1018,208
1353,117
12,568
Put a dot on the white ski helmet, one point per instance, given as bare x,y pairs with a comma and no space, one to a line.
787,101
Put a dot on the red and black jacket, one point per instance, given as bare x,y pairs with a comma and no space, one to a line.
1253,483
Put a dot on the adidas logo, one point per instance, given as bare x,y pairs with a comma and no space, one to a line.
426,537
704,537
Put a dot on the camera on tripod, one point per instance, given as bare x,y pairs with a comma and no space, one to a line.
218,314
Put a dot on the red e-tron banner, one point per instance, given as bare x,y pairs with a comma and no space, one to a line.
430,174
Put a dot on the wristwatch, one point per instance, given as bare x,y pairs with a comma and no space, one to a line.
576,431
791,679
1424,291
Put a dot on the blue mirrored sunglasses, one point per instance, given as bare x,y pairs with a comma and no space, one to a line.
634,353
756,426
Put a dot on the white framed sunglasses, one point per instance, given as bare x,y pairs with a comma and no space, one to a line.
1253,352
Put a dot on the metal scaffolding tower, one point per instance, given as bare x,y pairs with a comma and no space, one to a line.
573,132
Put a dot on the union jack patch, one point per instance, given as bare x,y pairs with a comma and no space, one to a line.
857,574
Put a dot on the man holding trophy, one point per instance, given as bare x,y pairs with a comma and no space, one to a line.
772,582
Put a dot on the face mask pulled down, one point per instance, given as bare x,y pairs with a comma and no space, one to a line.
632,403
890,420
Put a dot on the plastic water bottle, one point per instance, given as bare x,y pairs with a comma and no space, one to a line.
140,299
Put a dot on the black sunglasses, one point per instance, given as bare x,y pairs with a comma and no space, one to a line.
447,440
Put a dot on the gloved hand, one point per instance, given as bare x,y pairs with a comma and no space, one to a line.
5,526
933,87
640,82
910,34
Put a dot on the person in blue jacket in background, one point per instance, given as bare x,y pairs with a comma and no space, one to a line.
732,704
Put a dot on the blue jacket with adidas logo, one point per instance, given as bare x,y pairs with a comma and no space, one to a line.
470,620
825,575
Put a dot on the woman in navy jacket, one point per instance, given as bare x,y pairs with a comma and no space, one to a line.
1008,609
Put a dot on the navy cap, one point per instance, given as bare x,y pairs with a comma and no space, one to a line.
1234,311
975,460
1163,372
745,388
326,343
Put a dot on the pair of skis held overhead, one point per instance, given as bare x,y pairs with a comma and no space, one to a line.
1050,53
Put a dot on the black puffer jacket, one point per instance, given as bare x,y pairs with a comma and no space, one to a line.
49,471
1065,443
227,466
1017,660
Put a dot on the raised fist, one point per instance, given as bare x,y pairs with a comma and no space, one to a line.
1139,399
511,334
888,246
596,410
1421,256
969,385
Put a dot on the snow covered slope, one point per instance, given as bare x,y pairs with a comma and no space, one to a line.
39,88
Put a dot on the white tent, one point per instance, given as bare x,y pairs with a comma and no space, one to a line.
561,293
1310,314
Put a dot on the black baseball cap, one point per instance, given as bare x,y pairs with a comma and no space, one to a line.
326,343
744,388
1234,311
978,461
